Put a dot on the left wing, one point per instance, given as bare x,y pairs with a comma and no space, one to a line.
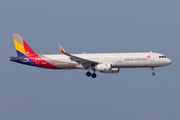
85,62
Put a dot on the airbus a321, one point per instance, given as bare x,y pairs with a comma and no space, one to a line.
103,62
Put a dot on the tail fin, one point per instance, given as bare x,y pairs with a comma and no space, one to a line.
22,48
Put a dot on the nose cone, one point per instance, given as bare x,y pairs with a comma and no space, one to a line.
169,61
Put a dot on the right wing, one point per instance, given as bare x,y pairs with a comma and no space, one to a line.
84,62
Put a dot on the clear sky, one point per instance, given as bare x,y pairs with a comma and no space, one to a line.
93,26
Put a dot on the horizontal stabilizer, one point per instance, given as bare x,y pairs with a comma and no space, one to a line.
20,59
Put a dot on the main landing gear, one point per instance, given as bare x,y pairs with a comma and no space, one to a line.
153,73
92,75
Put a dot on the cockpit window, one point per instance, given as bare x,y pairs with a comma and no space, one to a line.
162,56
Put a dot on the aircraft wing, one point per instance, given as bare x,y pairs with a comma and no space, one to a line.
85,62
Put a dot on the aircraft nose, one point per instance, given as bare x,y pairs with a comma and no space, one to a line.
169,61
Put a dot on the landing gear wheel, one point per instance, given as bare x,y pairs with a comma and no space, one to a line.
88,74
94,75
153,74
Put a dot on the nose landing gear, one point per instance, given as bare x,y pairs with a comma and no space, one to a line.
153,73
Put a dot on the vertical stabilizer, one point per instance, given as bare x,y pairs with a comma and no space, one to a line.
18,42
21,46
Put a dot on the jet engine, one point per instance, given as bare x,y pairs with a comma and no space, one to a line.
106,68
103,67
113,70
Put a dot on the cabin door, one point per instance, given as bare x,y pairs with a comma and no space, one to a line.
152,57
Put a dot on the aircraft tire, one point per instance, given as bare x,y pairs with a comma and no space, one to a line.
153,73
88,74
94,75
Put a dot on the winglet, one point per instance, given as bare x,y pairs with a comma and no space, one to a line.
62,50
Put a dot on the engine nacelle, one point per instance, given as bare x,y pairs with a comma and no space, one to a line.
113,70
103,67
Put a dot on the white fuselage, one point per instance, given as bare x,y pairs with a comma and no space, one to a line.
117,60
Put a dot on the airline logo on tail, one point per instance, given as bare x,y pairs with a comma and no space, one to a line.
19,48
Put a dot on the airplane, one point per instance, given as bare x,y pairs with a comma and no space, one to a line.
103,62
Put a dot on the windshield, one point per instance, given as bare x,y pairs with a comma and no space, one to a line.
162,56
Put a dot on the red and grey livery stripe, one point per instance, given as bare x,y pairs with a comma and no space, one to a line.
36,58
